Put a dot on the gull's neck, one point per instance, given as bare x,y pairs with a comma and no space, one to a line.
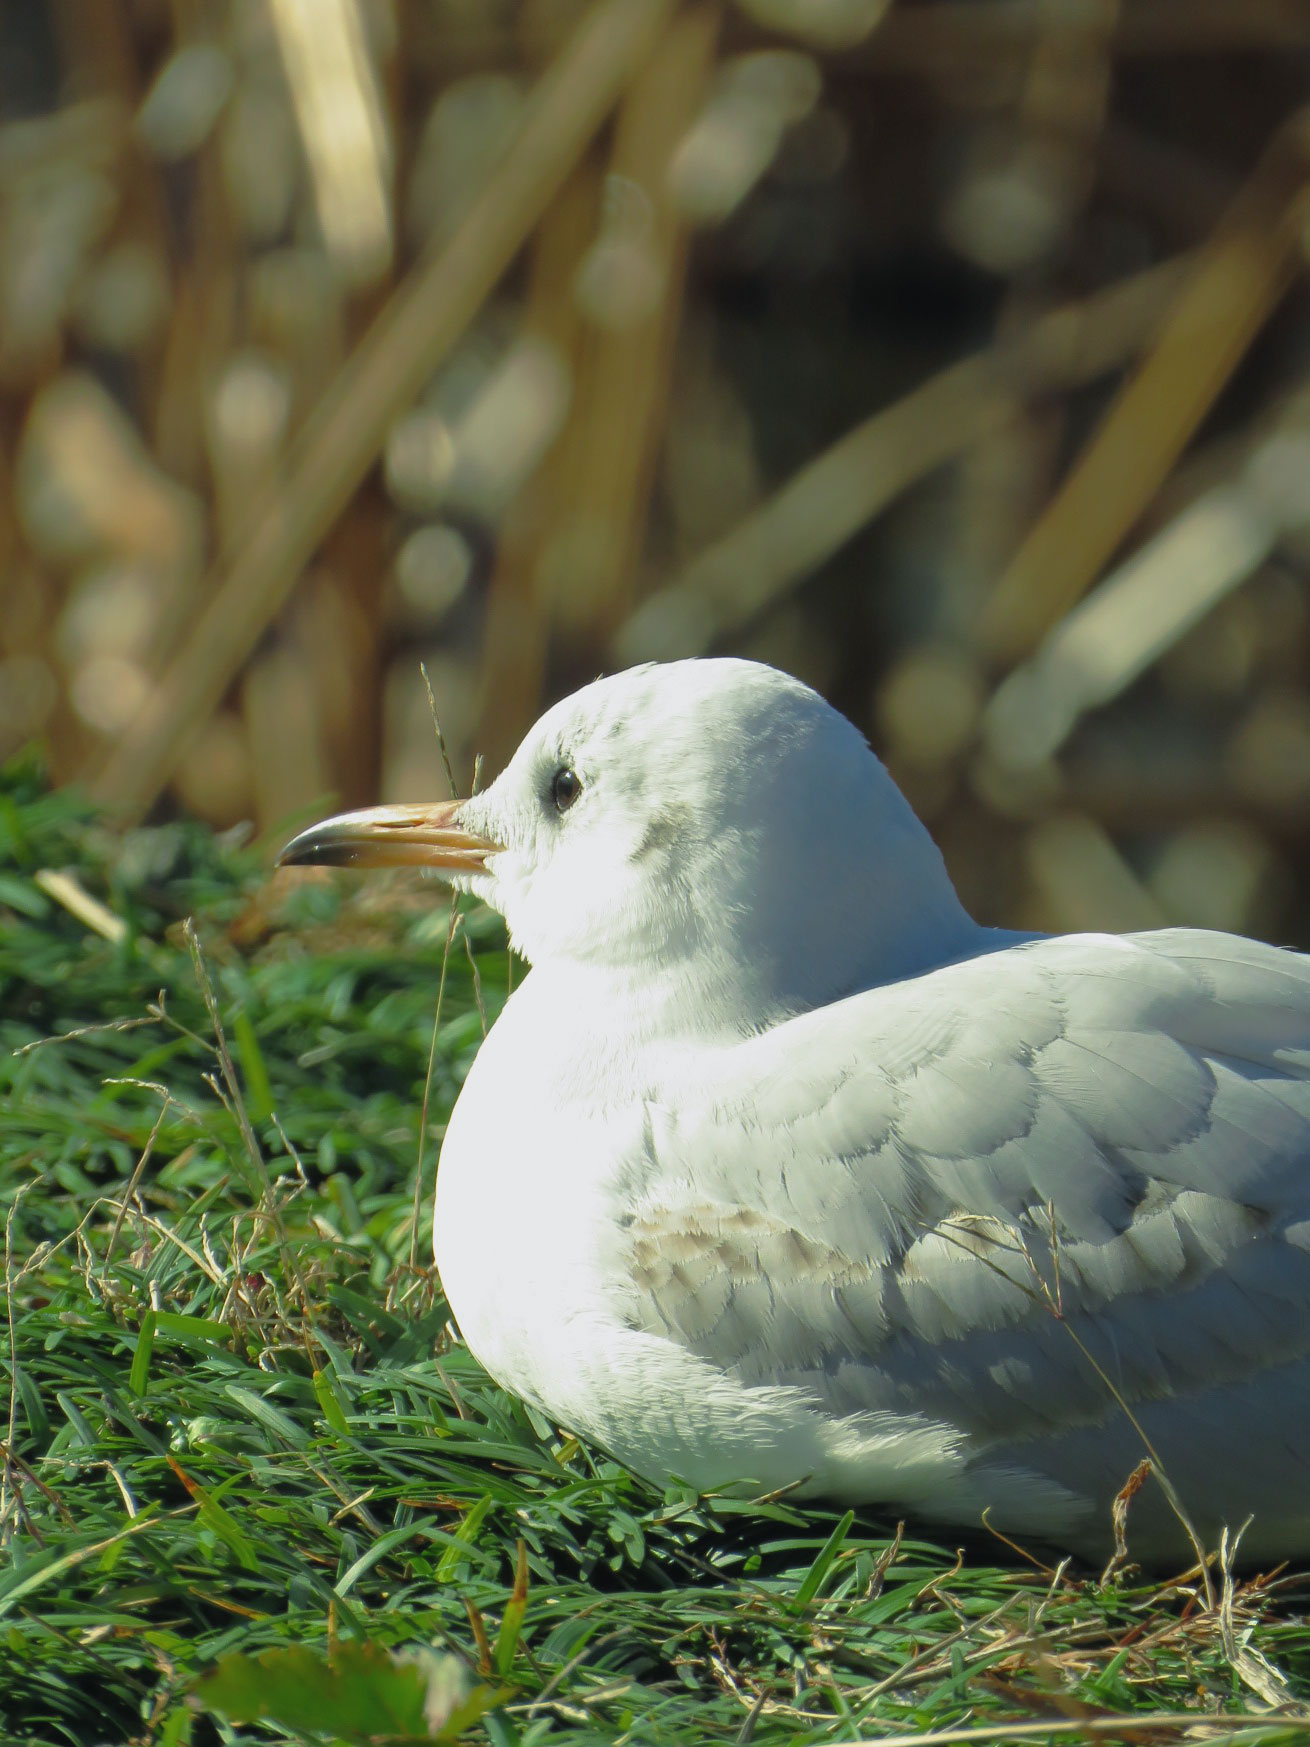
730,991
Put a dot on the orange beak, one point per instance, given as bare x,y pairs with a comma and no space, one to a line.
420,836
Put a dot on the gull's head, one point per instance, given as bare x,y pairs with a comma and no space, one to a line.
712,817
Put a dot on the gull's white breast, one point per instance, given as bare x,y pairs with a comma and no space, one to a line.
544,1171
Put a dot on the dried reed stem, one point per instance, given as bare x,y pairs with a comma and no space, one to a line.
423,319
831,498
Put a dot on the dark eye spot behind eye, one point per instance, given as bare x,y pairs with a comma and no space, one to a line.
565,787
659,834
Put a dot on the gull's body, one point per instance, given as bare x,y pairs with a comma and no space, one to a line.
778,1168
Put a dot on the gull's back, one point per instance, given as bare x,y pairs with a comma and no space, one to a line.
1054,1201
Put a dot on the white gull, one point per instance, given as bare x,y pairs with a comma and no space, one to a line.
780,1169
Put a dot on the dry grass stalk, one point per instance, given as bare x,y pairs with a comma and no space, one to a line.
343,436
831,498
1237,280
515,648
550,573
623,380
66,889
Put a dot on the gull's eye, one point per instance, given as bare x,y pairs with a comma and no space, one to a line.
565,787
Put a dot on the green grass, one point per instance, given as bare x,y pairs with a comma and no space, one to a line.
235,1417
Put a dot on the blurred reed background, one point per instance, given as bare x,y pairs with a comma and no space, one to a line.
953,354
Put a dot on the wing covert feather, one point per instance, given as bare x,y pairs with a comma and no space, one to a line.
910,1199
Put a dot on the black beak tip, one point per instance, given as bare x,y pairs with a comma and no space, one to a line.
311,849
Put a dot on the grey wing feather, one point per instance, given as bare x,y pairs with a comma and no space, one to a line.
916,1199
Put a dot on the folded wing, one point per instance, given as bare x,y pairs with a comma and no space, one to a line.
1028,1195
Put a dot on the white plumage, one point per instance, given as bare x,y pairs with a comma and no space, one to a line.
779,1168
